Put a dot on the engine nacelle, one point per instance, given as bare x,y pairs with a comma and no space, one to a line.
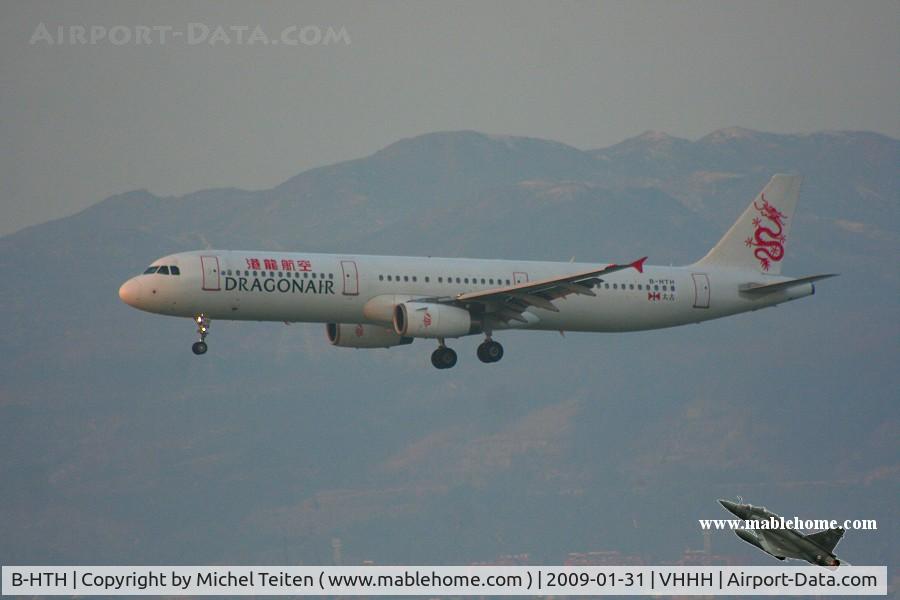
827,561
363,336
424,320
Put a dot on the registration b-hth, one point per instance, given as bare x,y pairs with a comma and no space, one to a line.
41,579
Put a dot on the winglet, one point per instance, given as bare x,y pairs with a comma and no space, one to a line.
639,264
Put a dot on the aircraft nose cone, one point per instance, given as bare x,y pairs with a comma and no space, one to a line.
728,505
130,292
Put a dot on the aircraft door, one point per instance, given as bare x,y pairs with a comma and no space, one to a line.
701,290
520,277
210,266
351,278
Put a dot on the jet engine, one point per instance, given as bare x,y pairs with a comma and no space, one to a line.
425,320
827,561
363,336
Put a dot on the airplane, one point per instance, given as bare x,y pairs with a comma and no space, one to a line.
384,301
815,548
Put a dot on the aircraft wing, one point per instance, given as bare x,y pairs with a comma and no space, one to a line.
770,544
508,303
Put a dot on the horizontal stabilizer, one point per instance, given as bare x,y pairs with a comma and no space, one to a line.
768,288
826,540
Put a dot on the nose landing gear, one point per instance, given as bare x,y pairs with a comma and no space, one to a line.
443,357
489,351
202,330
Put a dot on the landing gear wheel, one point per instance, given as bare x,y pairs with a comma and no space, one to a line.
202,322
490,351
443,358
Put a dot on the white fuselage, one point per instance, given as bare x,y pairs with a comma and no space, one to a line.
337,288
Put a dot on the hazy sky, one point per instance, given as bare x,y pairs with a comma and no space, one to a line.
192,110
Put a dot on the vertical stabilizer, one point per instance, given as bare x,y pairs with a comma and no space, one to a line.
828,539
758,239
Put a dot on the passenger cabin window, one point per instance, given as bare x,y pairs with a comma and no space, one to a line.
163,271
175,270
150,270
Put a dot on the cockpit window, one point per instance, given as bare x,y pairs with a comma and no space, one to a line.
174,270
163,271
150,270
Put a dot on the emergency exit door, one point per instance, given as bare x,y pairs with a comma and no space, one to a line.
351,278
210,266
701,290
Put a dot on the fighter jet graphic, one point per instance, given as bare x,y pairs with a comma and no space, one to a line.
815,548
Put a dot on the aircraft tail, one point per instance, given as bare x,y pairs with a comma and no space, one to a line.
827,539
757,240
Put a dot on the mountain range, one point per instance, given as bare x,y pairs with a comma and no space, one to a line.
118,446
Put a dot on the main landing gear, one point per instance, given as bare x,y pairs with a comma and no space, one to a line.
202,330
443,357
488,352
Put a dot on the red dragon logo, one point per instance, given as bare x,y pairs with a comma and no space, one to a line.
770,248
426,319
